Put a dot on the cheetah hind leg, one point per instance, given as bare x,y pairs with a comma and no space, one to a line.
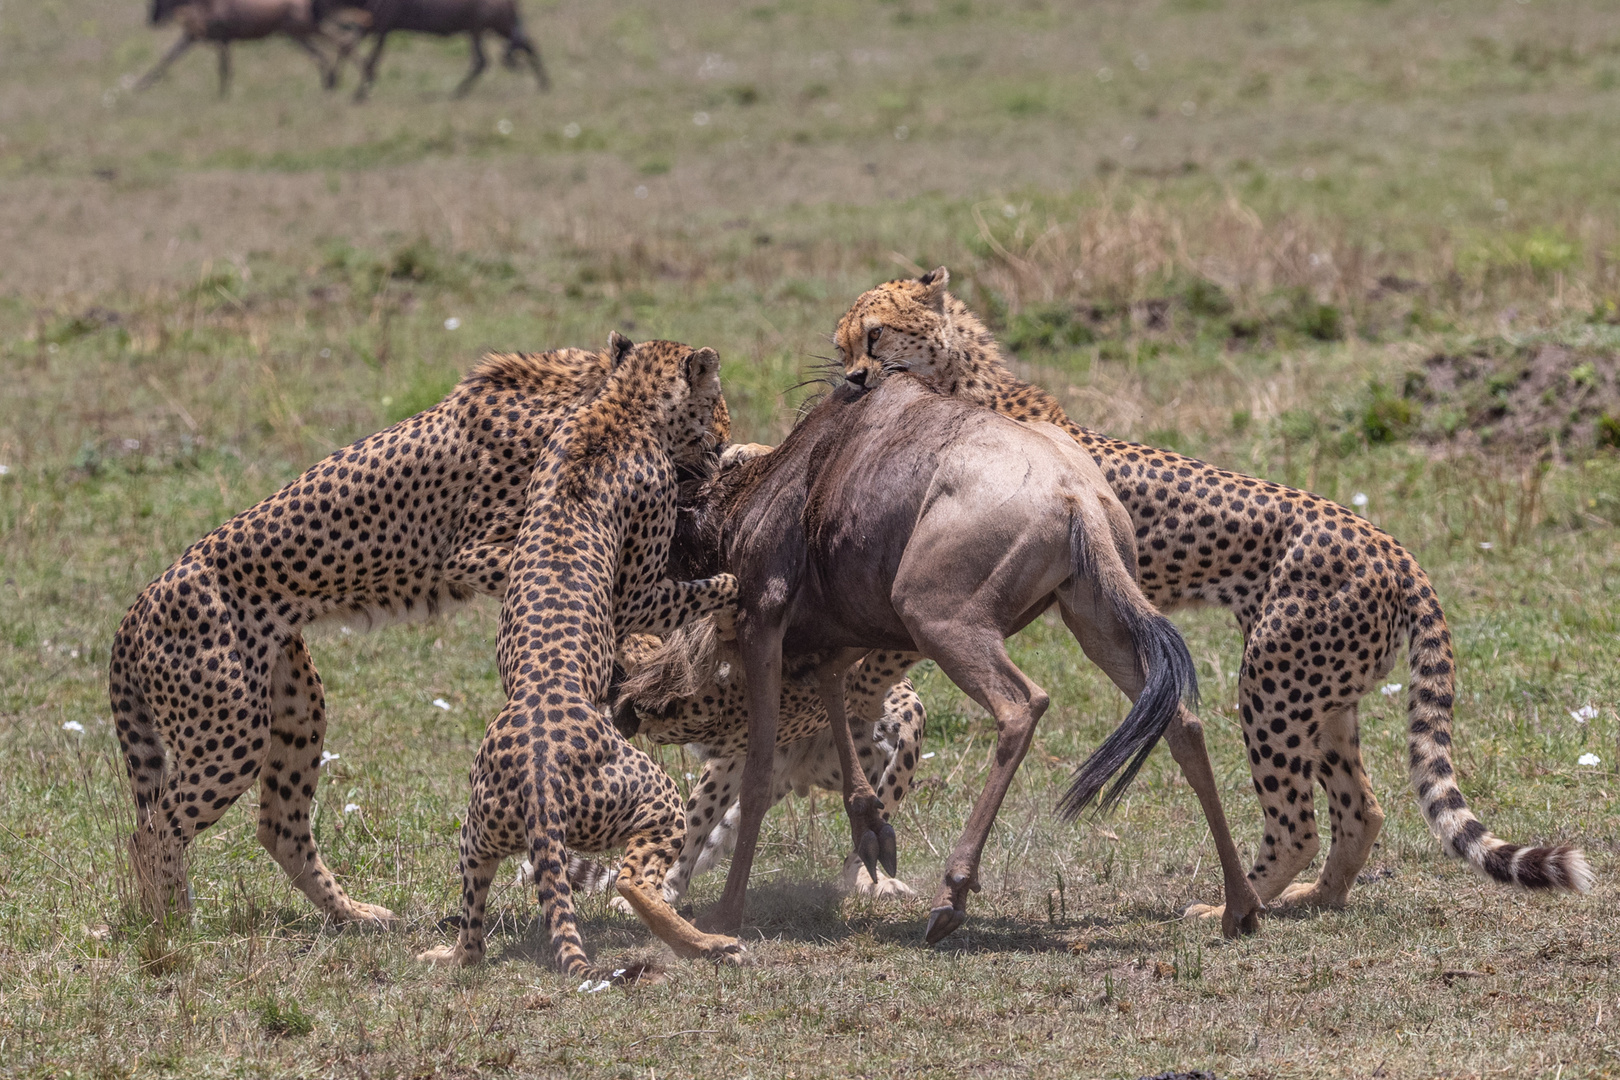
1354,815
650,846
287,784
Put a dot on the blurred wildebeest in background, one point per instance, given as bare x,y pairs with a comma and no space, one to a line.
442,17
225,21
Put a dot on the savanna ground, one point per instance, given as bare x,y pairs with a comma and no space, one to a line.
1361,247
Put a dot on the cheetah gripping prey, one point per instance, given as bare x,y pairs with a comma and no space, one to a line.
1324,600
212,687
553,773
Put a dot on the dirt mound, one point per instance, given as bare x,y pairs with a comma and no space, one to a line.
1522,398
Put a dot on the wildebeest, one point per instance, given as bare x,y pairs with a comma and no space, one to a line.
904,519
442,17
225,21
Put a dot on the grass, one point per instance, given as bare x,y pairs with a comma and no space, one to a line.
1237,227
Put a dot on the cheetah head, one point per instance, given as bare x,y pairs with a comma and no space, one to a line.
696,419
902,325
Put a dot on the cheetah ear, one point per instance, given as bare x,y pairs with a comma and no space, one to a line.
619,347
933,284
702,366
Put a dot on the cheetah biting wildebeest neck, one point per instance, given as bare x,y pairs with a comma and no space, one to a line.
587,569
1322,596
211,684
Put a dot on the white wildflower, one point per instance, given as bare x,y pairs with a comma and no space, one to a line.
618,973
440,703
132,444
926,756
349,808
73,725
1589,759
503,127
1390,689
73,654
571,131
326,756
1584,713
1359,499
345,631
1009,211
4,469
589,987
902,133
1486,545
452,323
326,354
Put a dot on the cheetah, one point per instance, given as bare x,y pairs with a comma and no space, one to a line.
702,704
587,569
211,683
1322,596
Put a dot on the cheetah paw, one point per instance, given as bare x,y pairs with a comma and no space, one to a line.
855,881
367,915
726,952
444,956
621,905
1204,911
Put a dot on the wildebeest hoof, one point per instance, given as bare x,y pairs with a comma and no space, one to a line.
868,850
942,923
887,854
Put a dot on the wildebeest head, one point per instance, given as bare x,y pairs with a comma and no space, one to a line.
162,9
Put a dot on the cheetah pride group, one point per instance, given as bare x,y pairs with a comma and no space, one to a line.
556,481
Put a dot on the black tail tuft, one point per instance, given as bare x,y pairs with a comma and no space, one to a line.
1171,678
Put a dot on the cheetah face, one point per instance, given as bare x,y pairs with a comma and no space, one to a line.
704,423
898,326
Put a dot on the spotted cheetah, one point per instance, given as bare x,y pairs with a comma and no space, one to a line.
211,683
587,569
1322,596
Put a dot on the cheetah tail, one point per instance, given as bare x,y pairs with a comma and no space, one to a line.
1430,701
1162,655
138,734
549,860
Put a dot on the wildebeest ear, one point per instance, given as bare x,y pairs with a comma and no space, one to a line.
700,366
619,347
934,283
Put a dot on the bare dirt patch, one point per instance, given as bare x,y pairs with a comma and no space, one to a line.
1524,398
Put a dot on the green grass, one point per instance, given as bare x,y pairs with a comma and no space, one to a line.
1243,241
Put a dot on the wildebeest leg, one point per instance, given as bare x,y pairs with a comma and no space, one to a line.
174,53
873,837
368,71
224,69
760,642
518,41
975,658
328,70
479,63
1108,645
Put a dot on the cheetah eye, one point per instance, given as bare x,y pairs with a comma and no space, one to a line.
872,336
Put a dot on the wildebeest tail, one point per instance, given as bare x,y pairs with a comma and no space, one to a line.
1430,701
1166,666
